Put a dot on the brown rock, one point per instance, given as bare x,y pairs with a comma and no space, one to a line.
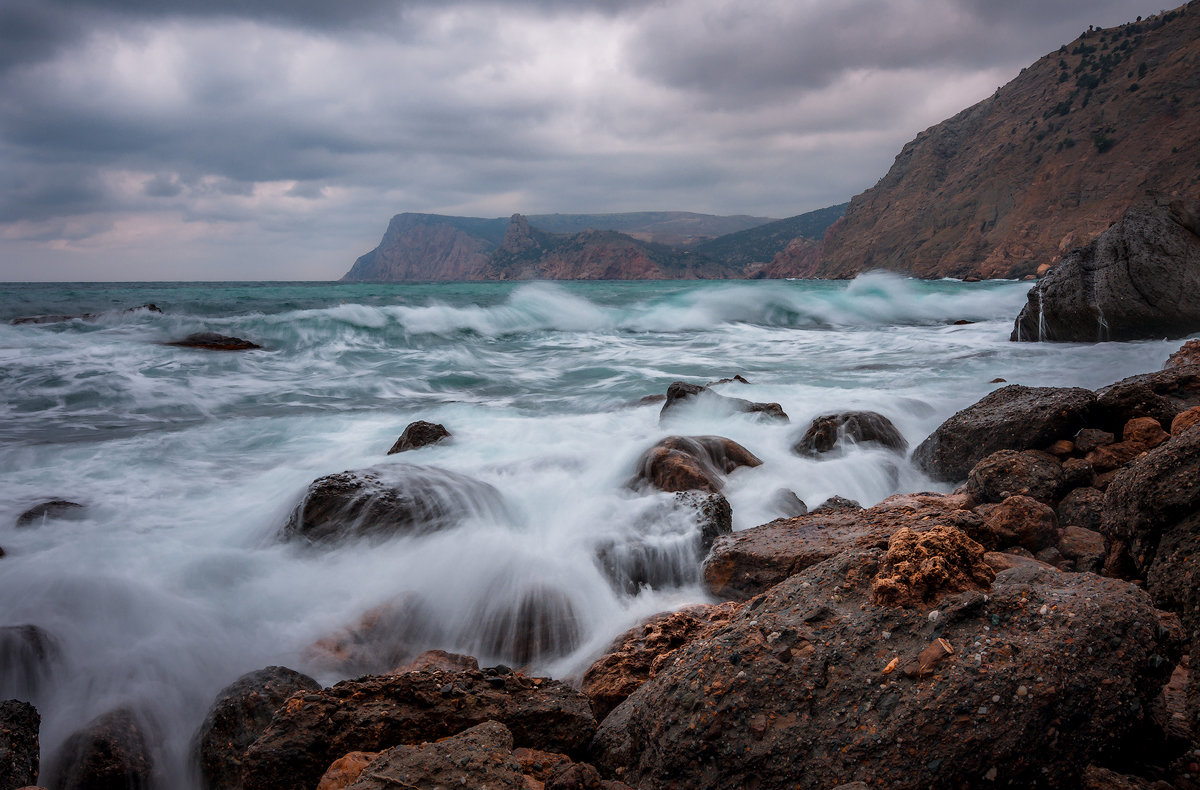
439,660
538,764
478,757
1018,521
384,638
109,753
937,652
345,770
1161,395
1185,420
1089,439
919,568
1077,473
1083,507
211,341
1188,354
374,712
419,434
19,749
853,427
1145,431
691,463
681,392
1097,778
1062,448
1007,473
1001,561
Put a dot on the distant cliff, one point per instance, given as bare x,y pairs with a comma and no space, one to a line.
1043,166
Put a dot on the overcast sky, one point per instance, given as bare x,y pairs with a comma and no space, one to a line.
273,139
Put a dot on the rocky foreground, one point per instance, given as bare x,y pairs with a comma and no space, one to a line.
1033,628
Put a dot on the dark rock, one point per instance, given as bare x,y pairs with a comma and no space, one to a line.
239,715
399,499
19,750
536,623
1173,579
1006,473
785,502
1185,420
738,377
1097,778
55,319
856,427
1139,279
836,504
1139,435
212,341
1160,395
1077,473
1089,439
691,463
384,638
1083,546
1083,507
109,753
1188,354
27,655
796,691
1017,521
477,757
419,434
50,510
681,392
1010,418
377,712
439,660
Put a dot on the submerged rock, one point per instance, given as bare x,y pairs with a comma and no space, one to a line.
51,510
1139,279
385,637
681,392
19,750
419,434
855,427
536,623
27,656
109,753
691,463
212,341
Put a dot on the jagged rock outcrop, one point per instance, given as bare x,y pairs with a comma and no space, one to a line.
428,247
1042,166
1139,279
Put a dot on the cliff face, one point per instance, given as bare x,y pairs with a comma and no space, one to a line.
1041,167
425,247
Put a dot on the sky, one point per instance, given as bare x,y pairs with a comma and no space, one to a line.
273,139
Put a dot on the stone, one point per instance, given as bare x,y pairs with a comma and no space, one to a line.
385,637
1082,507
1144,431
1077,473
1006,473
1017,521
344,771
1160,395
398,499
28,655
374,713
837,504
109,753
19,749
1088,439
241,711
419,434
1097,778
681,392
1010,418
785,502
479,757
922,567
1061,449
536,623
1140,279
1185,420
1188,354
439,660
691,463
211,341
854,427
51,510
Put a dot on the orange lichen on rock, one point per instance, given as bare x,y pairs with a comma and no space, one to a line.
919,567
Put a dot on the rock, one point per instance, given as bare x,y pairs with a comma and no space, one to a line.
1083,507
1160,395
1017,521
792,691
478,757
1088,439
1006,473
28,653
1139,279
109,753
19,750
536,623
1188,354
344,771
1173,579
51,510
1185,420
1010,418
1061,449
55,319
855,427
785,501
242,710
384,638
691,463
921,567
1000,561
538,764
212,341
681,392
419,434
439,660
1144,431
751,561
1077,473
1097,778
377,712
635,656
1139,435
837,504
399,499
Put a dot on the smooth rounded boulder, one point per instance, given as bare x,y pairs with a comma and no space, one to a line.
419,434
691,463
111,752
831,431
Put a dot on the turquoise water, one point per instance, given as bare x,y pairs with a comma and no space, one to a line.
173,581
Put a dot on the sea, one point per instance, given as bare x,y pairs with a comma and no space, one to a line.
173,578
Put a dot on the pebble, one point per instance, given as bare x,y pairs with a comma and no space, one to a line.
995,698
934,615
1022,691
1044,610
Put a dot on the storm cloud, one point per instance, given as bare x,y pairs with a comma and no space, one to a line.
273,140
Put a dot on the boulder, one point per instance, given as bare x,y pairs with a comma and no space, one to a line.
28,653
384,638
853,427
344,771
691,463
1082,507
1139,435
1173,579
1077,473
1185,420
477,757
1084,547
921,567
1006,473
399,499
1017,521
109,753
1188,354
681,392
439,660
804,686
836,504
19,750
1160,395
1010,418
536,623
785,502
51,510
1140,279
419,434
212,341
373,713
242,710
1088,439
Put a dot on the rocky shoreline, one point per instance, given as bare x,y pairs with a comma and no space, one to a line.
1032,628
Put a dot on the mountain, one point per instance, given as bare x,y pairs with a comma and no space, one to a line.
1043,166
761,244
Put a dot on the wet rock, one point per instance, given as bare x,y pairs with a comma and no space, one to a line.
109,753
399,499
439,660
1139,435
1097,778
1083,507
921,567
19,725
785,502
212,341
242,710
344,771
681,392
419,434
378,712
1188,354
1138,279
1077,473
853,427
1089,439
384,638
1160,395
691,463
1173,579
27,656
1017,521
1010,418
793,692
51,510
536,623
1007,473
635,656
55,319
1185,420
836,504
478,757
